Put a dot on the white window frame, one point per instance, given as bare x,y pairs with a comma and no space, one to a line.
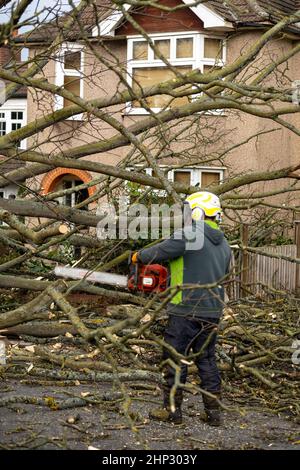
14,106
62,200
10,190
193,172
196,174
198,61
60,73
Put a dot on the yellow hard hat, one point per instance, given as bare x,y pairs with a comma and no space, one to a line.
204,201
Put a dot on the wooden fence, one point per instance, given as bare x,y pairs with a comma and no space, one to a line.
258,271
277,273
254,273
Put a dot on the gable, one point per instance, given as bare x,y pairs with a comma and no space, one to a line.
103,19
154,20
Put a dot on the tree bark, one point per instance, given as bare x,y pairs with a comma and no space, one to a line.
36,309
49,210
33,284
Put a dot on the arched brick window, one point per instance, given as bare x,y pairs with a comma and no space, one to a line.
66,178
52,179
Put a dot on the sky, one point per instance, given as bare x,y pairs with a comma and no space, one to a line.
45,8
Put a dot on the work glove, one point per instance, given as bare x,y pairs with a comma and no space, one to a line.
134,258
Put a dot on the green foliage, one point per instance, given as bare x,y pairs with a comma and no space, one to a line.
37,267
281,239
65,251
144,195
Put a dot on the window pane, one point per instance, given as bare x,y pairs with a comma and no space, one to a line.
140,50
183,177
67,184
149,76
184,48
1,194
14,127
67,197
2,128
73,85
208,178
81,196
213,48
2,115
163,45
72,60
17,115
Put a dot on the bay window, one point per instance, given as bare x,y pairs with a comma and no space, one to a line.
183,51
149,76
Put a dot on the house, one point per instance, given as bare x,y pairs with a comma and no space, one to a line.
13,115
202,36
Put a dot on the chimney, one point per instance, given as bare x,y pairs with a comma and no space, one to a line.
10,52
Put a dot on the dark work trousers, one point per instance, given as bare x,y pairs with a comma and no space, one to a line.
180,333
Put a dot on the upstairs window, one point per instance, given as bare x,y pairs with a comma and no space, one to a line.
69,74
184,52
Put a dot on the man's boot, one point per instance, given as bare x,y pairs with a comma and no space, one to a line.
212,410
164,413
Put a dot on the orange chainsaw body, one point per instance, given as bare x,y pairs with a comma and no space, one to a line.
147,278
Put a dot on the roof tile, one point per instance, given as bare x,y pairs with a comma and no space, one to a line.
236,11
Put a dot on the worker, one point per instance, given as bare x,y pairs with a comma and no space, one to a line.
194,313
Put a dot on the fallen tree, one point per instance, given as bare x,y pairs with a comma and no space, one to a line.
47,221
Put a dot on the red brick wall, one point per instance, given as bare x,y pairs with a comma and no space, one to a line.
5,55
154,20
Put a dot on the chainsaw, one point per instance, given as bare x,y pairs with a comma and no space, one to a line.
141,278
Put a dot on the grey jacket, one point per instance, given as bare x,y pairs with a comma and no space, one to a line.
207,265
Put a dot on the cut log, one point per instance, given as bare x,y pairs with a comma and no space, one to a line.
36,309
130,376
44,329
123,311
35,285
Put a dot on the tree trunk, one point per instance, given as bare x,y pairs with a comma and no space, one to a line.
36,309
